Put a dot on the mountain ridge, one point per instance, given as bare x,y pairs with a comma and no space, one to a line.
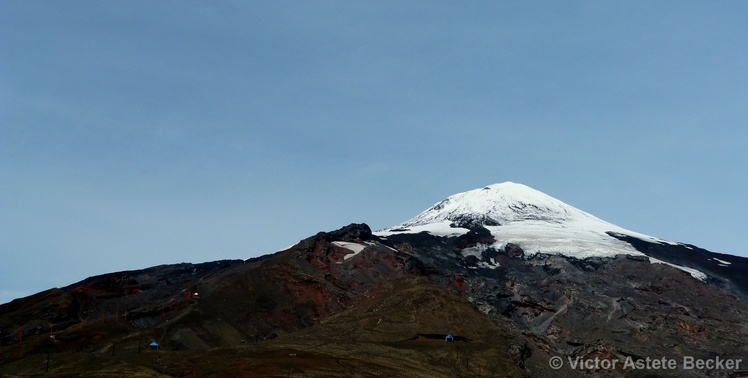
353,300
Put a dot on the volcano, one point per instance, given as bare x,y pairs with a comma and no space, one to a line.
537,223
515,276
540,223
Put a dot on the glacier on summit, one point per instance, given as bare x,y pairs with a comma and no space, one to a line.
538,223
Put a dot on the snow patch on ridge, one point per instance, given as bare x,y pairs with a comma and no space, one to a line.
441,228
356,248
721,262
477,251
694,273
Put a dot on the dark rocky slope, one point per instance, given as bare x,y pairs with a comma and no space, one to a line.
322,309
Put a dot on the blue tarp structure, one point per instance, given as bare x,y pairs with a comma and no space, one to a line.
449,338
154,345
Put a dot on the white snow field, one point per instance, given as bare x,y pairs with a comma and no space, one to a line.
538,223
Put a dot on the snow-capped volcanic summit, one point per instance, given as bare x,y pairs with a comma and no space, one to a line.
536,222
499,204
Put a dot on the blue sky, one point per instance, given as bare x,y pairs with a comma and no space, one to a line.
141,133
